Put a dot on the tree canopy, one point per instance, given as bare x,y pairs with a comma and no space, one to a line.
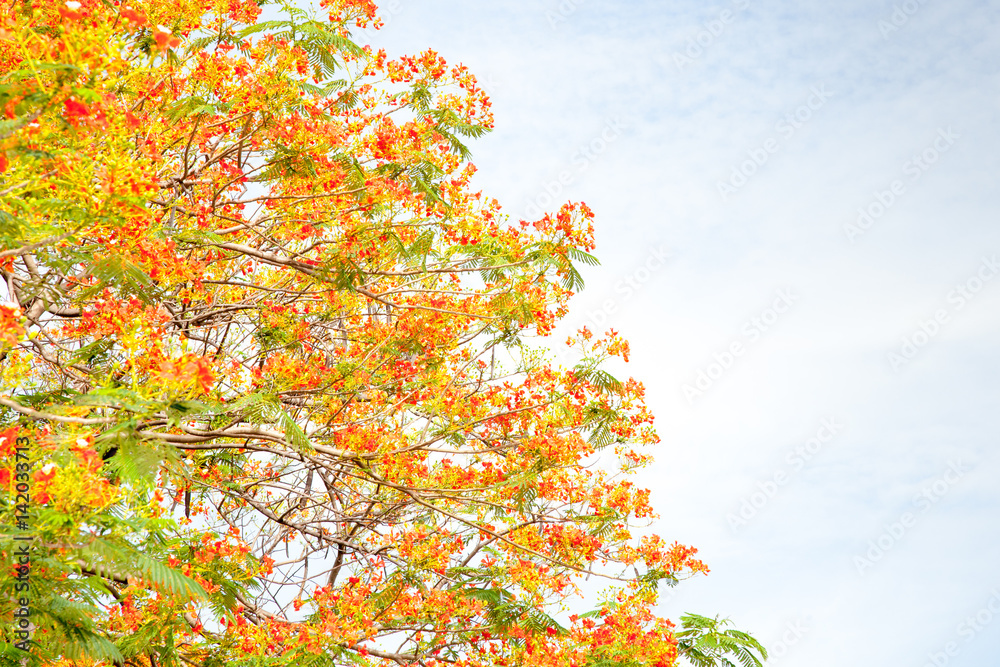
271,380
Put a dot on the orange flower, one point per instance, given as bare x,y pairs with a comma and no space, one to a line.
8,438
47,472
165,38
71,11
188,369
11,328
134,17
75,111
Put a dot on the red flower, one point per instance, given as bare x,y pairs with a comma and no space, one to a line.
71,11
8,439
47,472
165,38
134,17
5,477
11,328
75,111
186,369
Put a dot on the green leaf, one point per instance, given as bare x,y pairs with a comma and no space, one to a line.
293,432
114,397
125,276
577,255
124,561
256,408
705,643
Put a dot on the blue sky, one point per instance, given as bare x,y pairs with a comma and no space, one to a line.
806,112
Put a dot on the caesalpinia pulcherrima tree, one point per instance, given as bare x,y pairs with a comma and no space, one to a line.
264,353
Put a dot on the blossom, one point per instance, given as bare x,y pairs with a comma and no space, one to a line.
187,370
8,438
11,328
165,37
133,16
74,111
71,11
47,472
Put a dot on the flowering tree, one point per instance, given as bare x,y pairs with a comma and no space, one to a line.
267,391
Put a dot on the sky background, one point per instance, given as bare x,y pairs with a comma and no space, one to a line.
824,549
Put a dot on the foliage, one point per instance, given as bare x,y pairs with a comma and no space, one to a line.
271,354
705,643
